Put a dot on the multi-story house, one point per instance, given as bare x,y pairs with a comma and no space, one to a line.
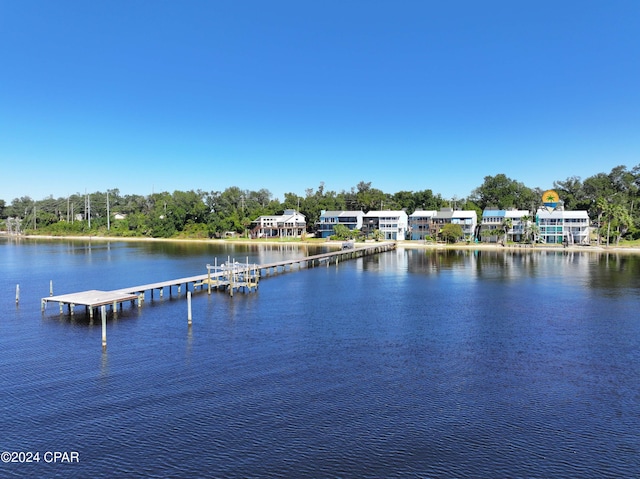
290,224
329,219
420,224
467,219
495,220
558,226
393,225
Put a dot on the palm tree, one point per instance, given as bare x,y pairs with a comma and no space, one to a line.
507,224
622,220
535,232
525,221
601,206
617,216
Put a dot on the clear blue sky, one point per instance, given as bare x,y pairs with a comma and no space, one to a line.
409,95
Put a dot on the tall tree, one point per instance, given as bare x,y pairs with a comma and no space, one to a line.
572,194
502,192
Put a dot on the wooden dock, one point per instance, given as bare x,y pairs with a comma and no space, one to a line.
228,276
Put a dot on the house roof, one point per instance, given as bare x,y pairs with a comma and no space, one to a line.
516,213
386,213
498,213
505,213
544,213
423,213
290,215
341,213
465,214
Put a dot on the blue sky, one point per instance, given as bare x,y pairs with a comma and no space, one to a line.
408,95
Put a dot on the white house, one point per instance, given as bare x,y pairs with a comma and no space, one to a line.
329,219
392,224
557,225
290,224
495,219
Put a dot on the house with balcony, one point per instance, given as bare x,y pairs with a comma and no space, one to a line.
329,219
393,225
467,219
558,226
420,224
290,224
494,221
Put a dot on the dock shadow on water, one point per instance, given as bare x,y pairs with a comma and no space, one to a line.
409,363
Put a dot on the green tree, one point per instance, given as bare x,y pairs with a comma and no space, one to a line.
451,233
502,192
371,199
426,200
341,232
571,192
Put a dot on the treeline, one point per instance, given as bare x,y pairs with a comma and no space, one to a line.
610,198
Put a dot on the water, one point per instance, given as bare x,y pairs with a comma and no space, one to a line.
406,364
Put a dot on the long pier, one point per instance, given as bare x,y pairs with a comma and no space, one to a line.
228,276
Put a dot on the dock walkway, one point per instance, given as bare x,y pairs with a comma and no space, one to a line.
228,276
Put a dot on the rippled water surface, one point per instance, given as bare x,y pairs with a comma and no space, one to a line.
406,364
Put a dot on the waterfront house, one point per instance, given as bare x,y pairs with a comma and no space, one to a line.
420,224
393,225
329,219
467,219
494,220
558,226
290,224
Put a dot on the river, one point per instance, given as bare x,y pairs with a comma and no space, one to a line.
412,363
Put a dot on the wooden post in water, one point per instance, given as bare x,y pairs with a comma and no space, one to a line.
189,308
104,327
17,293
50,287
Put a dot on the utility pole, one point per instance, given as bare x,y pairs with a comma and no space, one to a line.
108,217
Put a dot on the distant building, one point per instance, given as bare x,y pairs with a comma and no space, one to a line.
493,219
393,225
290,224
467,219
329,219
420,224
558,226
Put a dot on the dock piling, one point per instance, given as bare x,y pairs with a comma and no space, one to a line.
104,327
17,293
189,316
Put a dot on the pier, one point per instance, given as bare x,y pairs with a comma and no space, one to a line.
230,276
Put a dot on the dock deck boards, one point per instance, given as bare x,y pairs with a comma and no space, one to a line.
93,298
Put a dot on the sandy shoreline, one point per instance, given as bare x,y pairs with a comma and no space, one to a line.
400,244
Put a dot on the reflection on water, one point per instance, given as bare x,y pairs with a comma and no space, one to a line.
611,272
413,363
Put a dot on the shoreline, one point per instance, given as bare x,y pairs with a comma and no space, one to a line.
406,244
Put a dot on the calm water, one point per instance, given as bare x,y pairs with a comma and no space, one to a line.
407,364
